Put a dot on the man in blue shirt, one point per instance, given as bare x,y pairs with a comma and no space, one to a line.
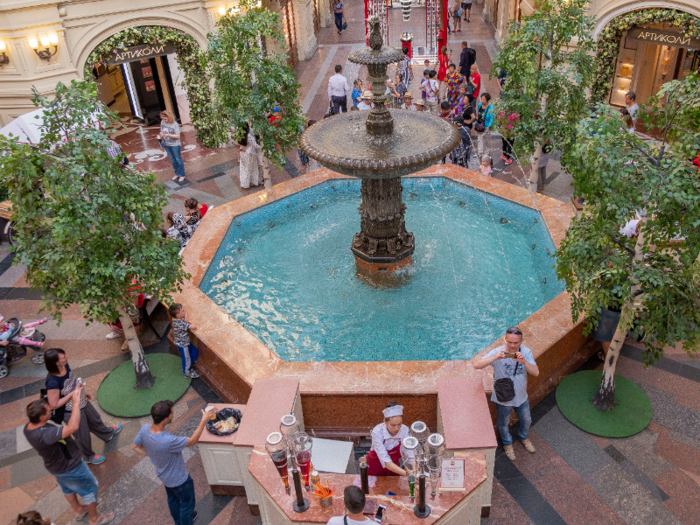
514,361
165,452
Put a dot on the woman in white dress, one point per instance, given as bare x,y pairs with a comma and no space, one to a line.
250,158
385,456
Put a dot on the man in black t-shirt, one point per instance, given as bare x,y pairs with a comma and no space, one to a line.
62,458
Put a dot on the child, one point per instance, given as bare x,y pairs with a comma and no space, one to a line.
5,328
188,352
356,92
486,167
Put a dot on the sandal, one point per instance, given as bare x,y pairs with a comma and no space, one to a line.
175,178
82,516
105,518
125,346
181,180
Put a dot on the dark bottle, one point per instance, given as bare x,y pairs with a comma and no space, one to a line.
364,477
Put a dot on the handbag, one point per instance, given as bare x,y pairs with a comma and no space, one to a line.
330,111
480,125
505,388
345,24
161,142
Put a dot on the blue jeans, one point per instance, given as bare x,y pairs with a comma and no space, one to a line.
79,480
175,157
523,413
339,21
181,502
189,355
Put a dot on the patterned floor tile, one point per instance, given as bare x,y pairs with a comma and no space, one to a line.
685,495
13,502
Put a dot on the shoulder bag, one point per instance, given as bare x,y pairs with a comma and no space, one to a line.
505,388
345,24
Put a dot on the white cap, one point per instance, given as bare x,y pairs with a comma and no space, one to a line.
396,410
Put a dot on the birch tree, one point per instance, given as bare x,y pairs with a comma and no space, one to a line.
86,228
251,78
654,278
548,62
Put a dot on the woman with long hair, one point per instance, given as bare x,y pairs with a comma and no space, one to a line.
60,383
250,153
170,137
178,228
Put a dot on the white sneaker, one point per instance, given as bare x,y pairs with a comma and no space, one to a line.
113,335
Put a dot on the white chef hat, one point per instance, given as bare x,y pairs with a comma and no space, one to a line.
393,411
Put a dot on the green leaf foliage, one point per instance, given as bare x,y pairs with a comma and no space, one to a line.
544,70
250,79
77,212
619,175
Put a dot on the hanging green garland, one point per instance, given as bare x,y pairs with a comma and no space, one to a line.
608,45
190,59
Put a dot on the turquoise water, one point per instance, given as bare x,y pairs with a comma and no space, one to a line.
285,271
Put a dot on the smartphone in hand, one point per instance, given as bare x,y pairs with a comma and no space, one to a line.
379,516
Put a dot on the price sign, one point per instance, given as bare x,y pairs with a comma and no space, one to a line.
452,475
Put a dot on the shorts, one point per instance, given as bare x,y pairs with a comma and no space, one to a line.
467,7
80,481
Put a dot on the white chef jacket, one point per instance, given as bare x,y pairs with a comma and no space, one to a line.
382,441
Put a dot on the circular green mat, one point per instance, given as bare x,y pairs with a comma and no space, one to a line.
630,416
117,395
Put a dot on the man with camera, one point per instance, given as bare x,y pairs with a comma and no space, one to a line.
511,363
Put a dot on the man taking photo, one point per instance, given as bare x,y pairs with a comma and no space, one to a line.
512,361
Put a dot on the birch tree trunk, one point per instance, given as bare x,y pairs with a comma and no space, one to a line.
604,400
144,378
267,180
534,165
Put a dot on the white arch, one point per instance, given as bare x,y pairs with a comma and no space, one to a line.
105,30
604,17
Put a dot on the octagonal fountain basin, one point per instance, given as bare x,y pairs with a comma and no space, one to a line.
286,273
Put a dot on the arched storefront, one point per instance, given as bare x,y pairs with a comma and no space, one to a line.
76,29
639,50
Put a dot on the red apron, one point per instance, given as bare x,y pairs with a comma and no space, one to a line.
374,466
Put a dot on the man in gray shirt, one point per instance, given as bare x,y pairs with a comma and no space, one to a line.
514,361
165,452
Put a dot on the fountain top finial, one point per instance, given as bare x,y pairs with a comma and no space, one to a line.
375,35
377,53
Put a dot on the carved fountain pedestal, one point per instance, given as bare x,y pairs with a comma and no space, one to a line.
380,147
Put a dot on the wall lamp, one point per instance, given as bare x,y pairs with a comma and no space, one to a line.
4,59
232,9
46,42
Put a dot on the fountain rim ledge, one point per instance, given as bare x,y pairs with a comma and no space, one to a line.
250,359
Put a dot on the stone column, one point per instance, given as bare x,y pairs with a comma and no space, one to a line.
304,25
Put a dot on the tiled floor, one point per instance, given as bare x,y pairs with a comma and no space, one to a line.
575,478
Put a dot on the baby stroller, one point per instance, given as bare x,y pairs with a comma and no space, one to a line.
15,350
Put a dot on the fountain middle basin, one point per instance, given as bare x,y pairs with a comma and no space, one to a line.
285,272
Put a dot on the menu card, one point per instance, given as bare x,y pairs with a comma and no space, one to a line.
452,475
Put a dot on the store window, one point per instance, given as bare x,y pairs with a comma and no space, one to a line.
290,35
648,58
317,15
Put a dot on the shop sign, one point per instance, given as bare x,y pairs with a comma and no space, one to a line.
663,38
119,56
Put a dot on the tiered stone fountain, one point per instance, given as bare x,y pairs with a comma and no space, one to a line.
380,148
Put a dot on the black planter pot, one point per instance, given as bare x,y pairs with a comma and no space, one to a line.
607,325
